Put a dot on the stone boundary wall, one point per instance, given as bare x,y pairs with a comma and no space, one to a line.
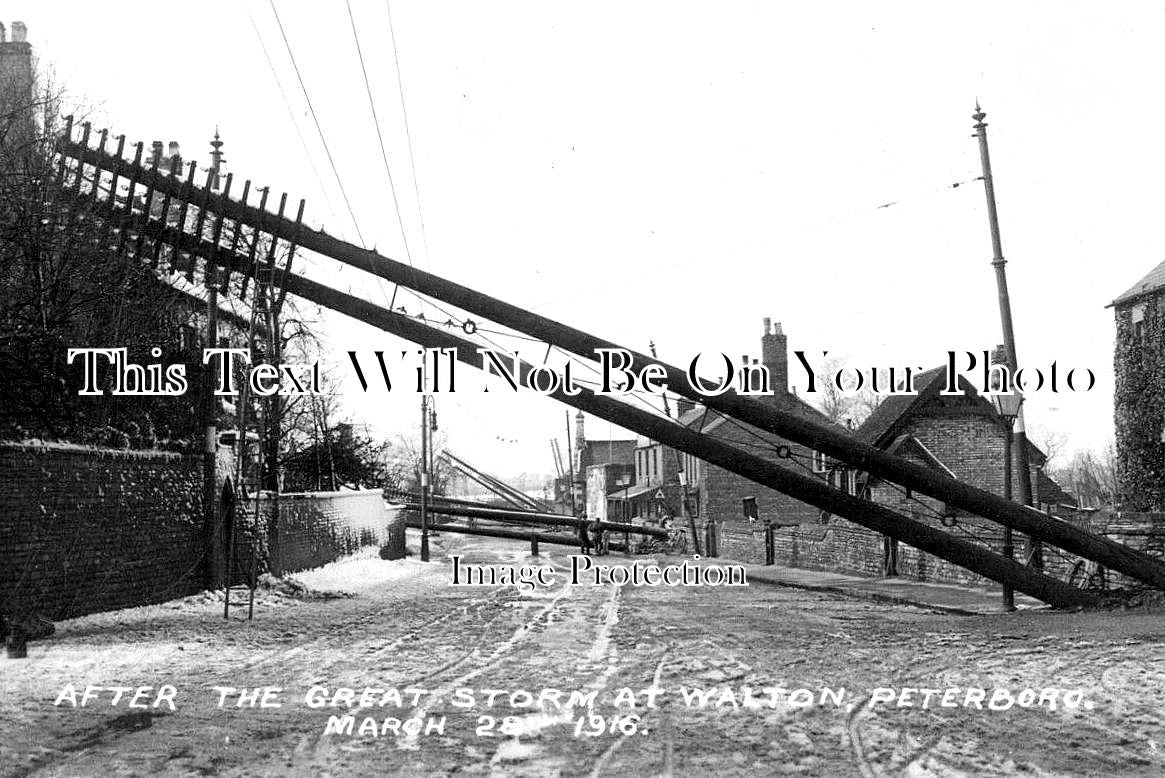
844,547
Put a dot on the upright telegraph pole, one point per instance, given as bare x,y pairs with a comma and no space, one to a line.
424,468
210,402
1019,434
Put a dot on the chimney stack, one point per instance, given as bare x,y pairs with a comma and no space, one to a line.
580,436
16,74
774,355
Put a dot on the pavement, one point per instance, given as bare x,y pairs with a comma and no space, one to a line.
948,598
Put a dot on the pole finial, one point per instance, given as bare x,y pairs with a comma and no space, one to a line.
978,116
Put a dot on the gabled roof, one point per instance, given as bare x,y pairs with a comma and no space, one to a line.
1150,283
884,425
909,441
1051,492
880,425
703,419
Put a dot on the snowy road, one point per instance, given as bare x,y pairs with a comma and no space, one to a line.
493,681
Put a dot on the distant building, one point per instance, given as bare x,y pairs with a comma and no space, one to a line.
603,481
585,455
1139,392
709,493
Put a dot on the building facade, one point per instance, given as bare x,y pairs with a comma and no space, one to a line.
1139,392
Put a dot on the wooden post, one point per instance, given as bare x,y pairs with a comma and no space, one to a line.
570,467
424,471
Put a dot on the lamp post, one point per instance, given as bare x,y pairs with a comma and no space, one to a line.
1007,406
1019,432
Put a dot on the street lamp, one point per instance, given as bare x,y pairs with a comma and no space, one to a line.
1007,406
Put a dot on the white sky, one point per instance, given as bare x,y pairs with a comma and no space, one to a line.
677,171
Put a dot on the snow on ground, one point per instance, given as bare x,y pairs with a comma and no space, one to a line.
404,626
358,572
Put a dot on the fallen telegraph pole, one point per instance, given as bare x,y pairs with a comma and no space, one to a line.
811,490
552,519
820,437
492,532
1109,553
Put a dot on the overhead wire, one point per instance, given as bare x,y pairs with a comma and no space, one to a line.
316,119
379,133
408,133
291,113
578,292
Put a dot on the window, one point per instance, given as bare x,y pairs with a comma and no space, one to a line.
1138,322
692,471
819,463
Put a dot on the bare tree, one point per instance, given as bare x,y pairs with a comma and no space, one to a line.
1091,477
848,408
1051,441
64,284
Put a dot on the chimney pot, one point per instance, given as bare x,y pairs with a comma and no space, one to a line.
174,148
768,324
19,32
3,33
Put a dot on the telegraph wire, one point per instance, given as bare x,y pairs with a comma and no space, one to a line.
379,133
315,118
290,112
579,292
408,134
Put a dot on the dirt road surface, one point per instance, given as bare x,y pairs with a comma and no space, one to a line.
484,678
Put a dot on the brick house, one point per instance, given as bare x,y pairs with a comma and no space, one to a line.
654,489
712,494
1139,392
961,436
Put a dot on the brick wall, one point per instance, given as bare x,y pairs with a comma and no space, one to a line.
86,529
319,527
